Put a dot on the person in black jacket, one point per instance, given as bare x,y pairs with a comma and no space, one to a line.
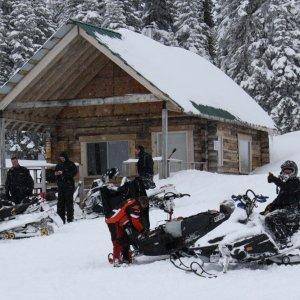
145,166
65,172
283,214
19,183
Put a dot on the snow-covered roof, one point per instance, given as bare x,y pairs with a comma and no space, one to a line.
190,80
187,80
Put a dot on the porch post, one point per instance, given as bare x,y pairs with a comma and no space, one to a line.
164,151
2,148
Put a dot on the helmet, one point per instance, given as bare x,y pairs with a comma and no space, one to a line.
227,207
289,170
111,173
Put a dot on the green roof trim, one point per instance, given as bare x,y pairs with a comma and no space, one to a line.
214,112
91,29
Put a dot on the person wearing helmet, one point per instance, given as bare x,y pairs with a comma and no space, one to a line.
283,214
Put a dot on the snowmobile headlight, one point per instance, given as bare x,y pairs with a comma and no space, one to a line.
227,207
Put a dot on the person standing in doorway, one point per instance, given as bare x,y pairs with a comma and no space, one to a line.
65,171
145,166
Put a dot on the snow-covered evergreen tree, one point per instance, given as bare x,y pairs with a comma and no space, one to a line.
114,16
45,26
5,63
133,14
25,145
259,49
210,32
158,22
190,27
282,59
21,26
89,11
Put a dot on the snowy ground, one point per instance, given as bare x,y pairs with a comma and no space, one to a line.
72,264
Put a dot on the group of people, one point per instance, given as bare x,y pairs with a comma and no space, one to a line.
19,184
126,208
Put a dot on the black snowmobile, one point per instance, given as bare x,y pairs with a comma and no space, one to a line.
177,236
255,244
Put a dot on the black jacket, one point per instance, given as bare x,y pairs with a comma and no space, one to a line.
19,184
69,169
289,193
145,164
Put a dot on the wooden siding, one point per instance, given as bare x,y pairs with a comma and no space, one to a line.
111,81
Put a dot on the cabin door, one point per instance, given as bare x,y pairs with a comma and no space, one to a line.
245,163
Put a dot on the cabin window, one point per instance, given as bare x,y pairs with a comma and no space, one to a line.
245,161
178,140
105,155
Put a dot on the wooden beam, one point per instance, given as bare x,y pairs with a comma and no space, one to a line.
164,144
2,149
37,85
135,98
58,73
85,78
36,71
69,83
128,69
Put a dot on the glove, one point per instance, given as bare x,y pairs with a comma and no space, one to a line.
271,177
266,211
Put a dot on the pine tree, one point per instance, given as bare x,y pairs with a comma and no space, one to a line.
190,27
258,46
26,145
158,21
45,26
210,31
89,11
133,14
281,56
5,63
21,26
114,16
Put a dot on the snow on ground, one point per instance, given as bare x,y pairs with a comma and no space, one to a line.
72,264
282,147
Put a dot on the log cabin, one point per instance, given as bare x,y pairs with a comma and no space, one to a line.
98,93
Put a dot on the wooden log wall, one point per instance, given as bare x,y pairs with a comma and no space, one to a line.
229,134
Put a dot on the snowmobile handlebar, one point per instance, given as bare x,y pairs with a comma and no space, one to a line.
247,197
248,200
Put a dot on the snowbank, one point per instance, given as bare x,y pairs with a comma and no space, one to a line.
72,264
282,147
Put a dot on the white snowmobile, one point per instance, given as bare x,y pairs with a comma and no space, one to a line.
92,206
254,244
32,218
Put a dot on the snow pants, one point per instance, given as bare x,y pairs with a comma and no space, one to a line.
65,203
283,223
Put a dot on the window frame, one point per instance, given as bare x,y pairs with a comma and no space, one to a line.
84,140
189,142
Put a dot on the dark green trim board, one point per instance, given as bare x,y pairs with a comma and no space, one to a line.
91,29
215,112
